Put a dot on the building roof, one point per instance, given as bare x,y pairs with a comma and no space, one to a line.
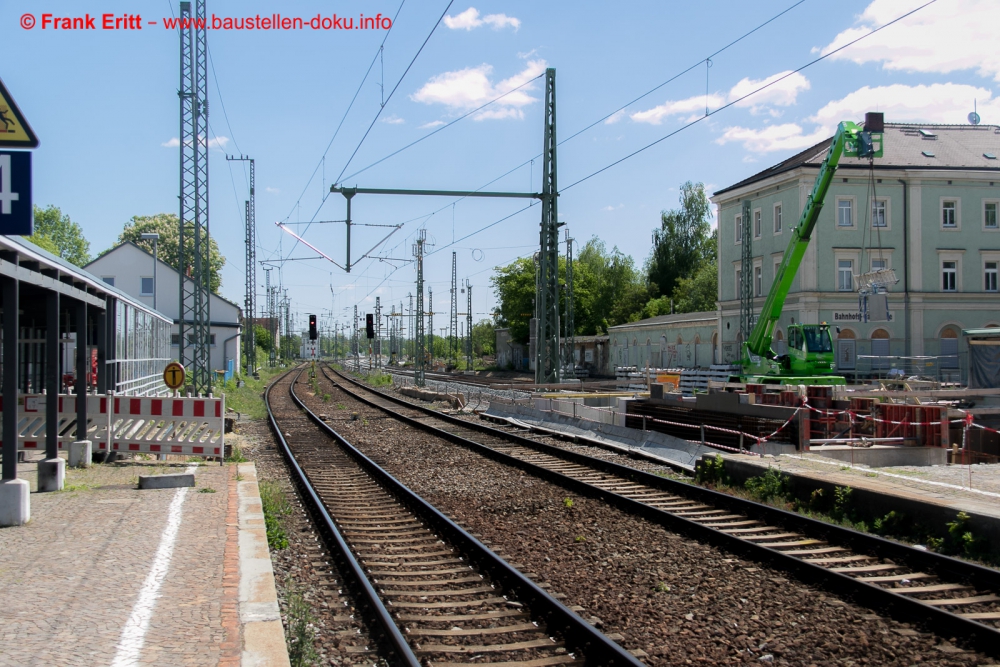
92,283
676,318
907,146
161,263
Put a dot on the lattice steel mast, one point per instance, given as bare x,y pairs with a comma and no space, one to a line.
453,316
249,306
194,246
570,341
418,365
468,326
547,299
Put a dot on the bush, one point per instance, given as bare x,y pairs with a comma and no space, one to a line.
275,506
712,471
772,484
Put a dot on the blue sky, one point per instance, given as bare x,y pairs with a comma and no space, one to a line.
104,104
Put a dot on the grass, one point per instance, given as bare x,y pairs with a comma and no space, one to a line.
206,489
300,630
276,507
236,456
840,508
249,399
80,487
379,379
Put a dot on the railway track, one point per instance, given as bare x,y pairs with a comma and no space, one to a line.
952,597
440,597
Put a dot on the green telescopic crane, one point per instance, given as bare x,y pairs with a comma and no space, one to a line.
809,359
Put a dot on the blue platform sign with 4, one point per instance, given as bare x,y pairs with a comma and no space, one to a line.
16,215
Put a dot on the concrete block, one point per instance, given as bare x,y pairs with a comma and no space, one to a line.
81,454
166,481
15,502
51,474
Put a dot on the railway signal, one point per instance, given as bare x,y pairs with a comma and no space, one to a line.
313,334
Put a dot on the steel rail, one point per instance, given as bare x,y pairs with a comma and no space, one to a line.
396,639
597,649
982,637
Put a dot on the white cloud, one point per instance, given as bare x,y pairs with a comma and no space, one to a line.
471,87
613,208
524,55
393,120
656,115
217,142
782,94
785,137
432,124
273,191
469,19
948,103
944,37
615,117
936,103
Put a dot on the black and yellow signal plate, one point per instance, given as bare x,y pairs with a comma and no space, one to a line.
14,129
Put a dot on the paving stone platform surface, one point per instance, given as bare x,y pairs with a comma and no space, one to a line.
74,576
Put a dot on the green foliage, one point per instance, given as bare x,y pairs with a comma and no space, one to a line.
484,338
712,471
167,226
236,456
568,503
580,538
514,287
662,587
772,484
960,538
249,399
263,339
206,489
893,523
683,241
842,499
380,379
59,235
698,293
275,507
300,630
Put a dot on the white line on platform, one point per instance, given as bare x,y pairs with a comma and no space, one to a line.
133,636
930,482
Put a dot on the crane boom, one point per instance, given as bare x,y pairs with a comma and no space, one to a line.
810,356
851,140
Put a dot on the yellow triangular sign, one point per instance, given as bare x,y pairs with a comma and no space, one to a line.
14,129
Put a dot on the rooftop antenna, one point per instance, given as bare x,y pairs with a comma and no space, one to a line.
974,116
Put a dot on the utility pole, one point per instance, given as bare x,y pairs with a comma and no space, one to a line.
193,239
570,337
547,298
412,341
267,313
430,320
468,327
378,333
249,310
453,322
418,366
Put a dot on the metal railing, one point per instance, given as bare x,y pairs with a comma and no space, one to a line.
938,369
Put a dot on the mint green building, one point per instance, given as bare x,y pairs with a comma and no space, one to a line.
929,210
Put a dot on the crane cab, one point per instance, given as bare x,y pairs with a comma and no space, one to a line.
810,350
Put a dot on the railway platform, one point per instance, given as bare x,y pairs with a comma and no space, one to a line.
106,574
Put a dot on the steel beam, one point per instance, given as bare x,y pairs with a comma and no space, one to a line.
547,298
10,366
52,375
82,365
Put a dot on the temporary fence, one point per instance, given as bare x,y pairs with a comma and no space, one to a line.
184,426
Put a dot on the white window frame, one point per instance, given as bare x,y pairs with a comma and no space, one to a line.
949,267
958,214
144,293
844,255
777,221
996,204
888,212
854,209
950,256
886,257
739,275
758,278
738,219
758,223
989,256
987,271
840,271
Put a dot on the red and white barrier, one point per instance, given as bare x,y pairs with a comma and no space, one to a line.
182,426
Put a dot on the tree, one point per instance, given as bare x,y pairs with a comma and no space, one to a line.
262,337
607,286
484,338
168,227
699,292
59,235
514,287
682,242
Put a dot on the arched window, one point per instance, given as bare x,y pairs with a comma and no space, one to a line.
680,341
846,334
697,339
778,343
846,350
949,347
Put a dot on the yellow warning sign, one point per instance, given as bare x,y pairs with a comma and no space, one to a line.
14,129
173,375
